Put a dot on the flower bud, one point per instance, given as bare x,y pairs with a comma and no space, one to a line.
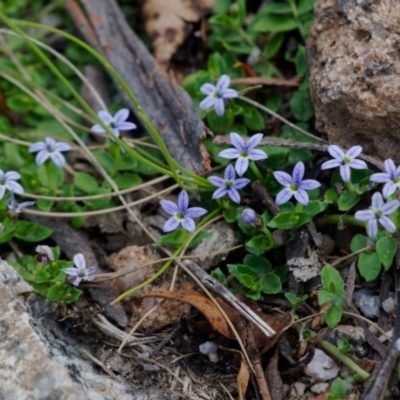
249,216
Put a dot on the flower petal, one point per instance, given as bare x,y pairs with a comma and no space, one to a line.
37,147
121,116
58,159
331,164
390,207
222,191
71,271
380,177
79,260
14,187
207,103
188,224
90,271
168,206
216,181
171,224
301,196
105,116
97,129
127,126
12,175
229,173
387,223
241,183
42,157
254,141
229,153
257,154
283,196
388,189
358,164
377,201
2,191
195,212
219,107
283,178
364,215
234,195
228,93
309,184
372,228
345,172
336,152
223,82
77,281
390,167
354,151
298,173
61,146
183,201
237,141
208,89
241,165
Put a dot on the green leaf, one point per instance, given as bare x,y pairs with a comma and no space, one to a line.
85,182
304,6
56,175
369,266
8,230
338,388
324,296
301,105
217,65
386,250
259,244
331,196
127,180
333,316
289,220
31,231
347,200
57,291
314,207
274,23
276,8
230,214
218,274
272,47
332,280
358,242
253,119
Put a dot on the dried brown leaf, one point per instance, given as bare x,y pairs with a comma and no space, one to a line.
168,23
243,379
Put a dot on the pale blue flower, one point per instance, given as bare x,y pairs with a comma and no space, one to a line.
249,216
15,207
117,123
378,213
7,182
244,151
216,95
391,178
80,272
181,214
344,160
50,149
45,254
228,185
294,185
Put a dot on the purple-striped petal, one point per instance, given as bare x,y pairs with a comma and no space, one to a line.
121,116
183,201
105,116
234,195
219,107
216,181
331,164
390,167
372,228
229,173
42,157
387,223
237,141
195,212
223,82
364,215
188,224
171,224
207,103
298,173
61,146
169,207
127,126
358,164
37,147
241,183
388,189
58,159
241,165
77,281
301,196
71,271
336,152
91,270
377,201
79,260
222,191
345,172
50,142
283,196
309,184
380,177
354,151
254,141
256,154
12,175
2,192
229,93
208,89
283,178
390,207
229,153
14,187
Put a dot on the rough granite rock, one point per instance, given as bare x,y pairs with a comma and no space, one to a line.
354,57
38,361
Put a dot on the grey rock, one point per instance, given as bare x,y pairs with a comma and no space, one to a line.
367,303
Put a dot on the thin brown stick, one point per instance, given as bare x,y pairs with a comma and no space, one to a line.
258,80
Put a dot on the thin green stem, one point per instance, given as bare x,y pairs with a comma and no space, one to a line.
256,171
346,360
277,116
48,175
295,13
334,219
170,261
